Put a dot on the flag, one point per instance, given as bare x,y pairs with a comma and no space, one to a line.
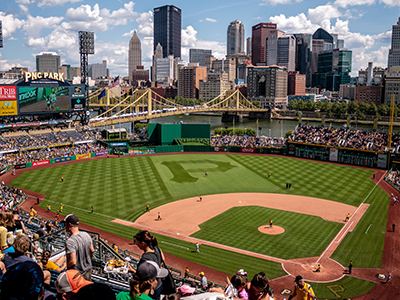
115,82
102,94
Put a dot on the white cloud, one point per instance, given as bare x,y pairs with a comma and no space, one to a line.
294,24
321,14
34,25
344,3
189,40
10,24
257,18
42,3
86,18
211,20
145,21
8,64
24,8
275,2
390,2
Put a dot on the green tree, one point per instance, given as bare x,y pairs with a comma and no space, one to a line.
256,104
289,133
384,110
293,104
352,107
318,105
300,105
309,105
363,107
372,109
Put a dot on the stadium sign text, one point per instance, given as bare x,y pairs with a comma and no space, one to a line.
44,75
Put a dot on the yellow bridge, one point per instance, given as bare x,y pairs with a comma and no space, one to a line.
146,105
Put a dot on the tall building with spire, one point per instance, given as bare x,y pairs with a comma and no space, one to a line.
135,54
158,53
394,51
167,30
235,38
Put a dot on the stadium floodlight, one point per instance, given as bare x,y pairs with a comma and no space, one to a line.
86,42
1,35
86,47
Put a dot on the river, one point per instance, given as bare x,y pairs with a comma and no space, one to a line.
274,128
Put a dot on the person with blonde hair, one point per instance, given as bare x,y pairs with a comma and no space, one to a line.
3,231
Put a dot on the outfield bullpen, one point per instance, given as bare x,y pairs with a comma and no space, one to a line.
121,188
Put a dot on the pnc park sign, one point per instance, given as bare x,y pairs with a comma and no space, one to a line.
30,76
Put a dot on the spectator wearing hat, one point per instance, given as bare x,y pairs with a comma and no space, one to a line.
204,283
302,290
78,247
144,281
69,283
185,290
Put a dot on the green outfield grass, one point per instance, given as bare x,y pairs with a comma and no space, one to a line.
121,188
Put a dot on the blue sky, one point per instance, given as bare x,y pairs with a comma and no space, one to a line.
34,26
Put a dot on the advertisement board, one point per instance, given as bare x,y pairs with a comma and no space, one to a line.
8,108
220,149
382,161
333,154
101,153
117,144
43,99
83,156
20,166
8,92
3,171
247,150
40,163
78,97
62,159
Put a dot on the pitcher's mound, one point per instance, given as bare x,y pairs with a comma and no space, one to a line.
274,230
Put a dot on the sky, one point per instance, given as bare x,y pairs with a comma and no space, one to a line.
34,26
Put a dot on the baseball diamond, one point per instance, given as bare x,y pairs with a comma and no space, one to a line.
238,198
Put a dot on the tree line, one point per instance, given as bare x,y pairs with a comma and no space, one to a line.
344,109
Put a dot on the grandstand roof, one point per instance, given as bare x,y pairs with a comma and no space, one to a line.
8,81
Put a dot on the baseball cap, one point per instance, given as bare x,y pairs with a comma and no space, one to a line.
298,278
201,273
95,291
149,270
71,219
22,281
70,281
185,290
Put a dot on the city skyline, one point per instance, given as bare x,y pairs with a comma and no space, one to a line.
31,27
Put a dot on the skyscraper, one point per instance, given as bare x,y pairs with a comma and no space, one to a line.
158,53
264,44
135,54
235,38
394,51
199,56
167,30
48,62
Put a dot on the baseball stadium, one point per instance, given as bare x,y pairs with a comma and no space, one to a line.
324,209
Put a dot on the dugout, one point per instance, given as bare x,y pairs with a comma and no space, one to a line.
165,134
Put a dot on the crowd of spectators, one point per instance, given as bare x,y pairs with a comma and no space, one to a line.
15,158
41,138
246,141
341,137
394,178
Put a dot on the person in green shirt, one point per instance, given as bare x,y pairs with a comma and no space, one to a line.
143,282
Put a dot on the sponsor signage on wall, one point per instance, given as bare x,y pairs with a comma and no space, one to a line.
8,108
101,153
382,161
333,154
247,150
20,166
62,159
83,156
40,163
8,92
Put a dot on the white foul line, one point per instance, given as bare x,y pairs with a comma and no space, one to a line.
323,253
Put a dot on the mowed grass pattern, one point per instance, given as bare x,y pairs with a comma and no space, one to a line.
304,236
121,188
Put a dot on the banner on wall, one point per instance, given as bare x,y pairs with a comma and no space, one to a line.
40,163
83,156
20,166
3,171
220,149
247,150
382,161
333,154
62,159
101,153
